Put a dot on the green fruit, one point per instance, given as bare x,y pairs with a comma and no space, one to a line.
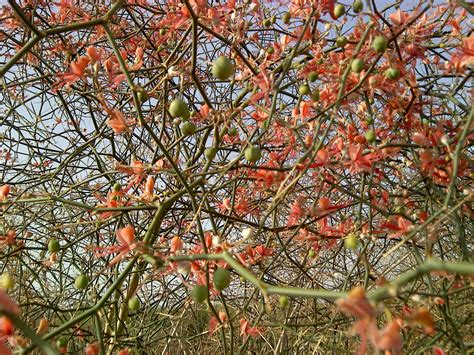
351,241
187,128
267,22
393,73
163,31
81,282
283,300
313,76
223,68
253,153
339,10
199,293
221,279
153,260
53,245
357,6
270,50
341,41
133,304
304,89
311,253
315,95
142,96
178,108
286,17
117,186
357,65
210,153
370,136
61,342
233,132
6,281
380,44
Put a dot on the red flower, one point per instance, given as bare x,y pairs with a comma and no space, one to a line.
358,161
4,191
126,244
92,349
214,322
77,72
246,329
117,122
399,18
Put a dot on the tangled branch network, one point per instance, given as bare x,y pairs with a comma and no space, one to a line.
237,176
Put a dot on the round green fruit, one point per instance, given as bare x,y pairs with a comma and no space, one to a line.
199,293
283,300
393,73
380,44
357,6
223,68
142,96
178,108
221,279
267,22
233,132
210,153
286,17
81,282
134,304
315,95
163,31
304,89
187,128
351,241
341,41
53,245
339,10
61,342
370,136
117,187
313,76
253,153
357,65
311,253
6,281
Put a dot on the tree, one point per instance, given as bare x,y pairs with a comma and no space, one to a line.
236,175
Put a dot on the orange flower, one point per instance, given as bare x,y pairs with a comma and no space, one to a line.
126,235
214,322
388,338
92,349
246,329
126,244
422,317
77,71
176,244
356,304
117,122
6,327
93,54
324,203
399,18
4,191
465,56
42,326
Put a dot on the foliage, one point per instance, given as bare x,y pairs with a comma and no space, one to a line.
317,152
